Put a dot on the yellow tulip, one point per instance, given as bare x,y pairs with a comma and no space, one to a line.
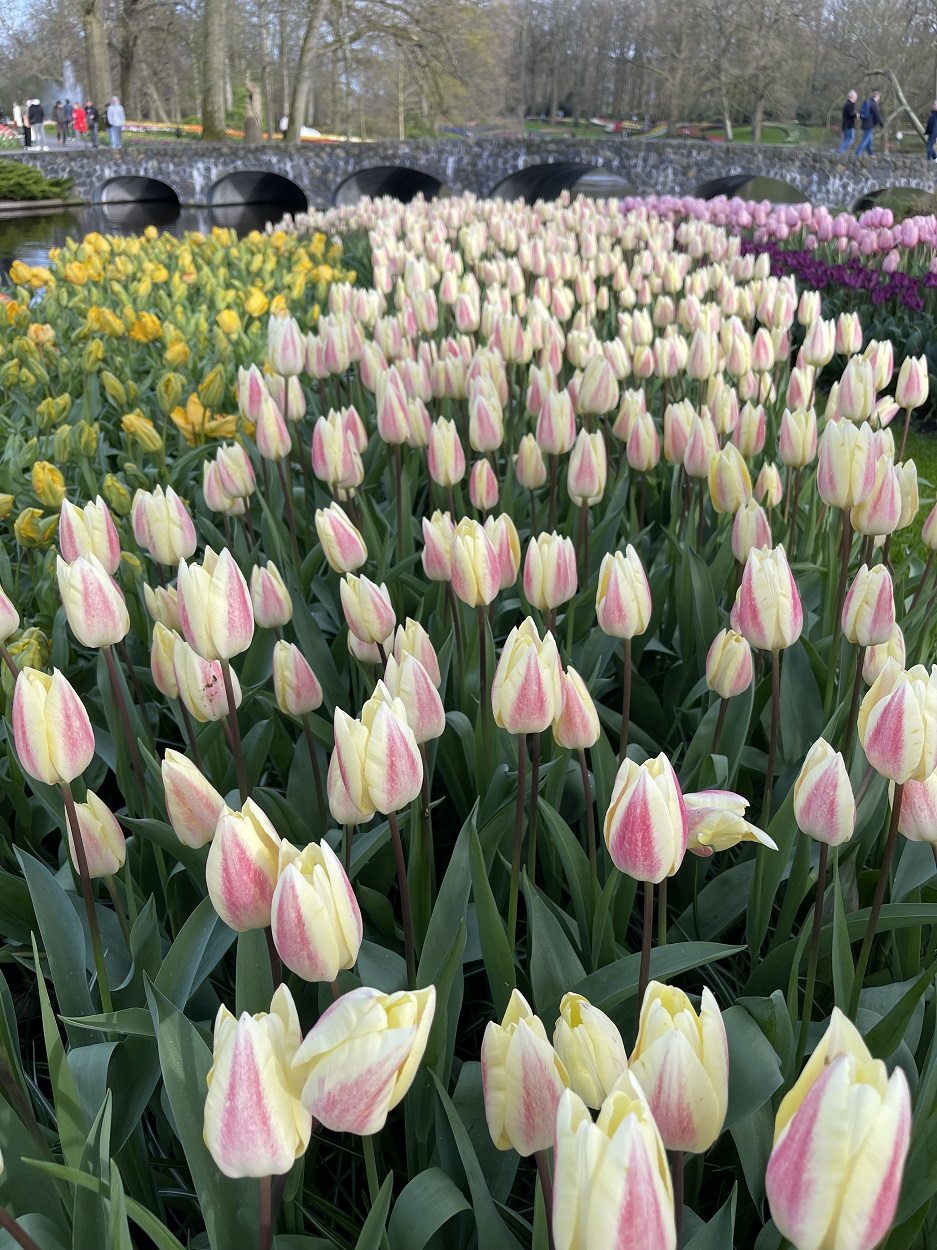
229,321
145,328
176,354
32,529
141,430
48,483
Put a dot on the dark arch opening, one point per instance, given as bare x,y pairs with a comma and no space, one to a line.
136,189
548,182
751,187
396,181
258,186
903,201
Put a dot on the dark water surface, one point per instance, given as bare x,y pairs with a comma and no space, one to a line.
29,238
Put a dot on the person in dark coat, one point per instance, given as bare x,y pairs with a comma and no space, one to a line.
930,132
850,115
870,116
36,118
91,114
61,125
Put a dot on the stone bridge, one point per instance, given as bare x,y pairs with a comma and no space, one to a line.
320,174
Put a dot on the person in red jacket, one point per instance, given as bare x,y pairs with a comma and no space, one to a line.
80,122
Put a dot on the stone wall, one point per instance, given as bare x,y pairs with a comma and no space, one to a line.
675,166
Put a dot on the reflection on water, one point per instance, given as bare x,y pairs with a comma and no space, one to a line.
29,238
602,184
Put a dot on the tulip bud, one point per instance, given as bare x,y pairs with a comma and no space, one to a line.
9,617
527,691
201,683
287,394
360,1058
412,639
254,1122
89,531
437,549
528,464
342,543
598,392
646,822
483,486
623,597
643,446
270,598
315,920
51,729
880,512
589,1046
750,530
295,685
378,756
588,469
162,525
556,424
730,485
408,681
869,609
681,1061
502,534
768,488
550,575
577,725
678,420
241,871
486,421
917,820
101,836
286,350
876,657
856,396
908,488
445,457
913,385
476,572
163,606
771,615
797,443
162,651
522,1079
898,723
824,806
93,603
215,607
846,472
729,667
701,447
601,1168
841,1086
368,610
192,802
251,389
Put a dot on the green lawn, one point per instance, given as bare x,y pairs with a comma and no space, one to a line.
922,449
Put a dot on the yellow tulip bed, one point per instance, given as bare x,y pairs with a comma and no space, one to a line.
469,746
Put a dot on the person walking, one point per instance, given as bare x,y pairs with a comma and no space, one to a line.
91,116
19,123
69,117
850,114
115,121
870,116
930,132
80,122
61,125
36,118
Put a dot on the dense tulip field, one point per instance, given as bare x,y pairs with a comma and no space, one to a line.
469,757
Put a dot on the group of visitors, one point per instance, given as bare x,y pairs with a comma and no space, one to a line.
79,121
868,116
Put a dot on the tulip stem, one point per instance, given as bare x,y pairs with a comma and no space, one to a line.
554,468
349,833
904,434
457,628
85,880
920,586
584,542
244,784
426,831
642,501
316,772
290,519
276,964
699,524
16,1231
518,839
374,1188
118,907
135,682
837,625
533,512
625,705
124,713
14,671
676,1169
720,723
265,1241
405,913
590,813
546,1188
773,736
398,475
854,706
792,541
190,734
662,913
484,691
812,957
877,901
534,798
646,938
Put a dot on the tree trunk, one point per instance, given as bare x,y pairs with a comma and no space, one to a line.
726,114
213,92
302,83
99,70
401,119
522,60
758,119
269,124
284,62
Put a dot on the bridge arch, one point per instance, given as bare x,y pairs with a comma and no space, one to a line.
399,182
257,186
904,196
751,185
549,181
137,189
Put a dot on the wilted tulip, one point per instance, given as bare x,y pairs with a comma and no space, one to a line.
295,685
270,598
360,1058
315,919
590,1048
716,822
845,1120
89,531
527,691
241,871
201,683
824,806
611,1175
192,802
522,1079
771,615
342,543
646,822
623,597
681,1061
869,609
93,603
215,607
101,837
378,755
898,722
254,1123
